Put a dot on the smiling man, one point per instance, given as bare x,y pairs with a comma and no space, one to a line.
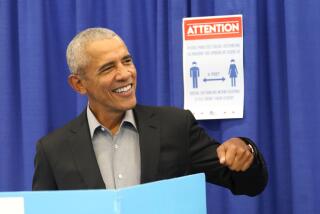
109,80
116,143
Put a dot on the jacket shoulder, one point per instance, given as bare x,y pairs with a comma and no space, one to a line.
60,134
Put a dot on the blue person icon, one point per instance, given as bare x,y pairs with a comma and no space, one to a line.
194,74
233,72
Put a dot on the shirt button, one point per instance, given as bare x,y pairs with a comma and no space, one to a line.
120,176
116,146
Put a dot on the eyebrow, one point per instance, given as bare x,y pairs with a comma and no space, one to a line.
104,66
127,57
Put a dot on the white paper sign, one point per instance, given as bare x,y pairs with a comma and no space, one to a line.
213,66
12,205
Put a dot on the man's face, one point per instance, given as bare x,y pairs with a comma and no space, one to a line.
109,80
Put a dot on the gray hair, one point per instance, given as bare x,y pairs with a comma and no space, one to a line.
77,57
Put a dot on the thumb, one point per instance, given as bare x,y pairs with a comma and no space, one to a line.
221,152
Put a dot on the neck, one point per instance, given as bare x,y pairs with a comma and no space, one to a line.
110,120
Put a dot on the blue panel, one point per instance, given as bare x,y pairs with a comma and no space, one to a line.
180,195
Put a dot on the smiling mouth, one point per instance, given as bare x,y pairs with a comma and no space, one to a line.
123,90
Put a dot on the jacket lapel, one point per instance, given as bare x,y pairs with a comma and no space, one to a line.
83,153
149,139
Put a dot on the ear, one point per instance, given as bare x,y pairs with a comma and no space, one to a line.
77,84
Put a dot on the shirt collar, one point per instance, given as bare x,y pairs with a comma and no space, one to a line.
94,123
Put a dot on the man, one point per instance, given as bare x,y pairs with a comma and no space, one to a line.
194,74
116,143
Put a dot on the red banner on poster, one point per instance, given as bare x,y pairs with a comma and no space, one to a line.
209,28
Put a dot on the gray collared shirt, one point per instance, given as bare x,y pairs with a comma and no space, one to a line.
118,155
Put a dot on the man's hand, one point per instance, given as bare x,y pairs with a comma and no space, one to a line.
235,154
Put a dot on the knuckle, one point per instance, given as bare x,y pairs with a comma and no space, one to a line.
236,169
219,149
244,169
248,154
228,162
233,168
241,151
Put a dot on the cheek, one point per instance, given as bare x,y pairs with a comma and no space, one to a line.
106,83
134,75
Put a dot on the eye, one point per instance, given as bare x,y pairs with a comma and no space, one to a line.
106,68
109,68
127,61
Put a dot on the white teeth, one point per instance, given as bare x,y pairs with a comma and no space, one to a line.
123,89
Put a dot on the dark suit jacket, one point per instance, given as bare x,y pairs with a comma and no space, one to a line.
171,145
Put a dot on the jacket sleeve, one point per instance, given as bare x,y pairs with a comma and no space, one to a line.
204,158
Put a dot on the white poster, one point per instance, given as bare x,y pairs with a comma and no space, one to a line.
12,205
213,66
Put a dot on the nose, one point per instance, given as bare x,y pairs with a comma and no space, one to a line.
123,73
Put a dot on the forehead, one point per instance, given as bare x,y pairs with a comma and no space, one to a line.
106,47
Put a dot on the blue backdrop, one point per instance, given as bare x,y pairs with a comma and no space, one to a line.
281,62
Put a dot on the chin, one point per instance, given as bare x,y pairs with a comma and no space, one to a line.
133,105
130,105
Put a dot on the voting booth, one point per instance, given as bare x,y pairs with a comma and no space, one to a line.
179,195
